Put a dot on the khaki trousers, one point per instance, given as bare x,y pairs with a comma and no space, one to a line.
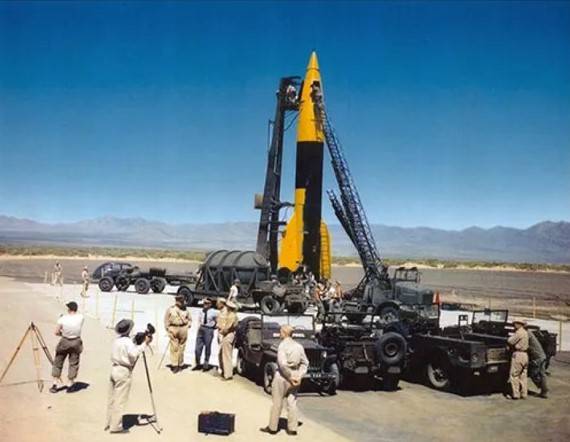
119,388
67,347
178,335
85,288
518,375
283,391
225,355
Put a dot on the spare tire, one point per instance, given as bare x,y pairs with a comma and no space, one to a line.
142,286
106,284
269,305
391,349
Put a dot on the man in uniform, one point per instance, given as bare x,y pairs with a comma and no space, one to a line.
124,356
226,329
69,328
518,344
234,291
207,321
57,276
537,364
85,279
293,364
177,320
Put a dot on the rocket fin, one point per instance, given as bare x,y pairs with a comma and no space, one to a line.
291,253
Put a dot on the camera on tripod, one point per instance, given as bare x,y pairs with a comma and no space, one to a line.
139,337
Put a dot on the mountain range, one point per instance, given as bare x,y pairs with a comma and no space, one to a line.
545,242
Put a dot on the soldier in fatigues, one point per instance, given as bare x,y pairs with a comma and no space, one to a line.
518,343
85,279
293,364
176,322
227,323
537,364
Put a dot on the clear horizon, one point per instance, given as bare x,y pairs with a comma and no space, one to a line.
452,115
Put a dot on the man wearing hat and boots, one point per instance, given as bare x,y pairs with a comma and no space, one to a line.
85,279
207,321
124,356
69,328
518,343
177,320
227,332
537,364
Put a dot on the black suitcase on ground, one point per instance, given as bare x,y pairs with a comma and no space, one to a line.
212,422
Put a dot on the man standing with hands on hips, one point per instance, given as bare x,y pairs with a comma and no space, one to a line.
293,364
177,320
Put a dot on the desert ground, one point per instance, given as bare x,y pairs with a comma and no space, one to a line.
413,413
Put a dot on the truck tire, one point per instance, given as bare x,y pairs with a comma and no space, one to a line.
269,371
142,286
389,314
157,284
188,295
269,305
391,349
122,283
390,382
106,284
438,374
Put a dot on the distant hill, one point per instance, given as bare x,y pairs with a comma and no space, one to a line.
546,242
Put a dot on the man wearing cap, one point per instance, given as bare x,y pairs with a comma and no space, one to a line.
85,279
226,330
57,275
69,328
124,356
234,291
177,320
207,320
518,343
292,365
537,364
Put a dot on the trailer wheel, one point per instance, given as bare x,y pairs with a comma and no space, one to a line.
269,305
269,371
157,284
438,374
122,283
188,295
106,284
142,286
391,348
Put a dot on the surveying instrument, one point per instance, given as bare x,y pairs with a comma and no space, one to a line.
36,339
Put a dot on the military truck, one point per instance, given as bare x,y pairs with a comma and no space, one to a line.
452,358
367,350
258,288
122,275
257,340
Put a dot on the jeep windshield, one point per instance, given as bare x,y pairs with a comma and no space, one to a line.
304,325
490,316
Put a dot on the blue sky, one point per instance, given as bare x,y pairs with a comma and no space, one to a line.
452,114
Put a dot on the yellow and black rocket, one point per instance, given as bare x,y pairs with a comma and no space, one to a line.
306,240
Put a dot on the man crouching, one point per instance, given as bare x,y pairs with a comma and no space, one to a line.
124,356
293,364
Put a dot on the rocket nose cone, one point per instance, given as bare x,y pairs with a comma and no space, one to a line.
313,62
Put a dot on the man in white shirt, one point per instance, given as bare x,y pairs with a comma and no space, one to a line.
207,322
234,291
124,356
69,328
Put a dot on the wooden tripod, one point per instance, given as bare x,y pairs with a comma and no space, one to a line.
36,338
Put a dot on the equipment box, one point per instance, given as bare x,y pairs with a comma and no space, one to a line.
213,422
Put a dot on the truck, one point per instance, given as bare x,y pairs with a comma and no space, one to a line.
257,340
368,350
122,275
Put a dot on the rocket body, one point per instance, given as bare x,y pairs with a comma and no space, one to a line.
306,240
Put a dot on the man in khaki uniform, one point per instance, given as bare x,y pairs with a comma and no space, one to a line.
85,279
293,364
227,323
177,320
124,356
518,343
57,275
